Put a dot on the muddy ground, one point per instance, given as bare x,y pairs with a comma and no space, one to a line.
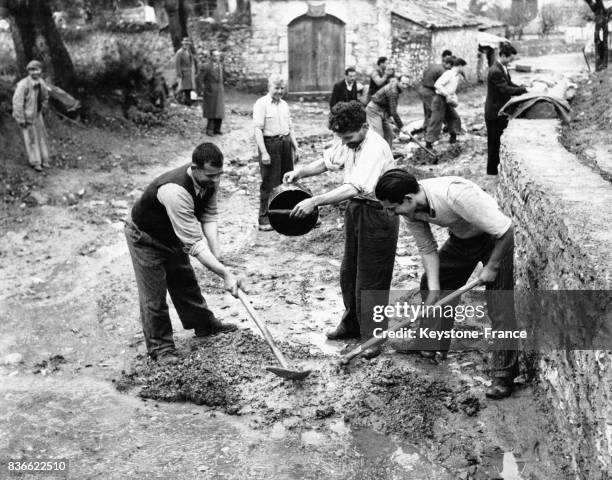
76,383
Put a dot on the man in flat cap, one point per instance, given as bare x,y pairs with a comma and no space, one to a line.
30,98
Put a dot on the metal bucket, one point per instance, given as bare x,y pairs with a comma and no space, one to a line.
282,200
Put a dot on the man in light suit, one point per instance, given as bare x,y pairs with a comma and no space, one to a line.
499,90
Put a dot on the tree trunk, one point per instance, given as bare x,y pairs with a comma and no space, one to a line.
177,21
36,38
601,40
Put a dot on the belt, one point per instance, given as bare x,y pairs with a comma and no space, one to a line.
275,137
370,203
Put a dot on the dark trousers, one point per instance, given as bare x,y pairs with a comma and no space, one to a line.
213,125
281,162
458,258
370,239
158,270
185,97
495,128
442,113
427,95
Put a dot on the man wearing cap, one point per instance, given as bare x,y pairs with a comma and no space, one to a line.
370,232
175,217
276,143
30,98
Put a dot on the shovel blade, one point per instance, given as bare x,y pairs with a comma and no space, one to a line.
288,373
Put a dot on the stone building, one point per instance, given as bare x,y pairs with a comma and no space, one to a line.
312,43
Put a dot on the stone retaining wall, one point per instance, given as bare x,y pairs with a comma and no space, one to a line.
562,211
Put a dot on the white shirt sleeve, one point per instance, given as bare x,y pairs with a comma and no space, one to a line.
180,208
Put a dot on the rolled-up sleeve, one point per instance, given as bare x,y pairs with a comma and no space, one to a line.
423,237
180,208
211,210
478,208
335,156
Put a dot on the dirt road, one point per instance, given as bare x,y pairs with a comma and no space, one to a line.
70,331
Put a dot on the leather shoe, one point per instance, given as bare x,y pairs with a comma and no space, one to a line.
168,358
214,328
500,389
372,352
342,332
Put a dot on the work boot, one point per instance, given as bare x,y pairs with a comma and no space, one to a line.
453,138
501,388
342,332
169,357
38,168
428,145
417,130
214,328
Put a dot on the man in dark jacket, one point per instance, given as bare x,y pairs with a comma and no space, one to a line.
176,216
499,90
213,94
380,77
347,89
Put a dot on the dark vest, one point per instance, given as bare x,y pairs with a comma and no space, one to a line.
150,215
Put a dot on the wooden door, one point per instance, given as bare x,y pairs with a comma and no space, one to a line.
316,53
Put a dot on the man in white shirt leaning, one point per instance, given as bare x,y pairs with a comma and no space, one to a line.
444,103
478,231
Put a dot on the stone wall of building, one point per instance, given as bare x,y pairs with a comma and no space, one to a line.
562,211
463,42
367,28
410,48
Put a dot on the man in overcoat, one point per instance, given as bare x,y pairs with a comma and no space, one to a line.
186,71
213,94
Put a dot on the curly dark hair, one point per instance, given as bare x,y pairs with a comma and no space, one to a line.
346,117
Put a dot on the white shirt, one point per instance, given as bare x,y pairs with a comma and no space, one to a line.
364,165
270,117
447,83
462,206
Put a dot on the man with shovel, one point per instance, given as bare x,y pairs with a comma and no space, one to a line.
479,231
176,216
370,232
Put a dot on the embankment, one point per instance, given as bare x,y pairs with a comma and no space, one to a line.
562,210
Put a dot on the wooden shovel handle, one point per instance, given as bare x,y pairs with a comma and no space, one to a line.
374,341
262,327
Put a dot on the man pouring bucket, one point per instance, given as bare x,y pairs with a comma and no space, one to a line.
370,232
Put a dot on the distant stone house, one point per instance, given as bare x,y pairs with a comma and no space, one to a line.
312,43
